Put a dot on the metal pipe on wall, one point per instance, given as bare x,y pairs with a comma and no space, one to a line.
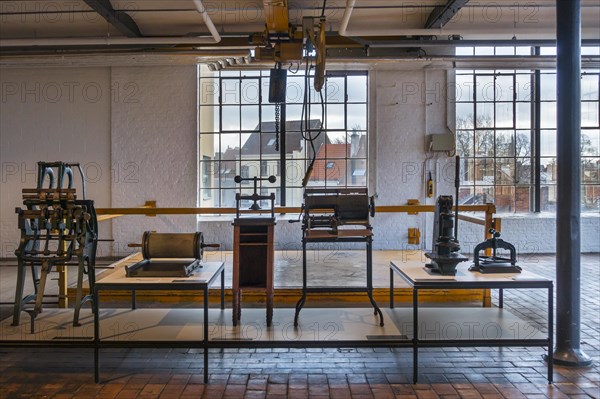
568,210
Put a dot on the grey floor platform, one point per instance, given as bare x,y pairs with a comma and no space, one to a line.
316,325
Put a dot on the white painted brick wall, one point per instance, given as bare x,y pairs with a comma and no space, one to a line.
56,114
154,136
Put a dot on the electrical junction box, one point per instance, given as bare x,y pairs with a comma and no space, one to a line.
441,142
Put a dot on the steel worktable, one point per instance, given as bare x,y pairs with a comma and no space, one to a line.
200,280
418,278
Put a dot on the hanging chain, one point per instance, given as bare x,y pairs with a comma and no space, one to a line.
277,124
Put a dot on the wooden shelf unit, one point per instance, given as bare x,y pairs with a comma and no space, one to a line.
253,260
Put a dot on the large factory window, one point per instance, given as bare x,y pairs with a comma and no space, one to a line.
237,134
497,130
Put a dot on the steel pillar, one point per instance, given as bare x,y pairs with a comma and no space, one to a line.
568,241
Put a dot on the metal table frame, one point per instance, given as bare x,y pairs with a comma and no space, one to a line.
176,283
345,236
435,284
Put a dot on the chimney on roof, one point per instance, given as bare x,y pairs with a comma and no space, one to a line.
354,143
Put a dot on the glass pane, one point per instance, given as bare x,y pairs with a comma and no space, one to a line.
505,199
335,90
505,171
465,143
523,88
230,91
504,115
295,89
548,87
484,143
522,198
504,88
464,51
357,117
485,115
357,89
464,88
548,143
484,195
268,113
548,113
505,51
484,171
464,115
590,142
250,118
484,88
293,112
481,50
335,116
590,170
590,198
209,91
250,91
589,114
523,171
466,195
523,143
336,138
230,118
227,196
231,142
548,198
505,143
548,171
208,119
589,88
523,118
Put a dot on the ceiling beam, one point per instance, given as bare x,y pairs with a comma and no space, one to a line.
119,19
441,15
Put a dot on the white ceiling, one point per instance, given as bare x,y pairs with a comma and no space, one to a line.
478,19
32,22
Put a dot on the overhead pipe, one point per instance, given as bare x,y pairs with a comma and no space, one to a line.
343,30
123,41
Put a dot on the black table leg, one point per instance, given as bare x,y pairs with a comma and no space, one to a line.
416,335
223,289
133,300
301,301
550,357
391,288
96,311
376,310
501,298
205,335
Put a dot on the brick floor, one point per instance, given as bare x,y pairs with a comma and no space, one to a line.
321,373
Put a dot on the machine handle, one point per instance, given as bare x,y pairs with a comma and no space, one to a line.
372,206
134,245
211,245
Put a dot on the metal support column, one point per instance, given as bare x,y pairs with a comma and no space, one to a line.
568,211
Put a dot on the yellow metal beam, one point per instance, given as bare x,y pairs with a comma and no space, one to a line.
488,208
276,15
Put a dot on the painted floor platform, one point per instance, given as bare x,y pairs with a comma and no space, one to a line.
316,325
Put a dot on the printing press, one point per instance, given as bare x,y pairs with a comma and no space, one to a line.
169,255
495,263
337,215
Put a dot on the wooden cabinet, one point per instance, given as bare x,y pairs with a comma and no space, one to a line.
253,259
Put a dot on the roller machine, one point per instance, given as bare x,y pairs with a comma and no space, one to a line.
57,229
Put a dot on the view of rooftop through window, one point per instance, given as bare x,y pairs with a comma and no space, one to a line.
237,135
